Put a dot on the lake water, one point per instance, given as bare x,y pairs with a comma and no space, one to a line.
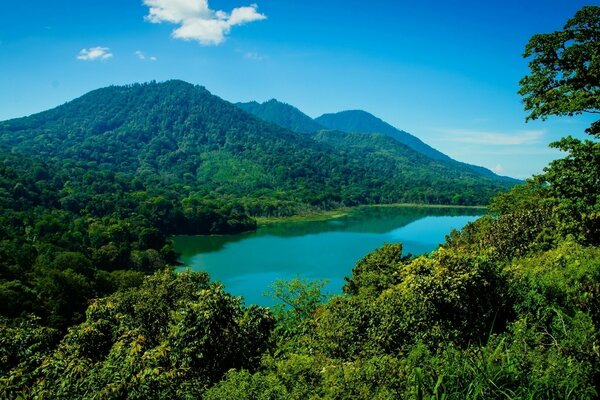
248,263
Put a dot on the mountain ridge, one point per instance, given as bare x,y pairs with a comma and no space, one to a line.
359,121
181,135
282,114
351,121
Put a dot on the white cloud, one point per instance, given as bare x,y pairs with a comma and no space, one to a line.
498,169
493,138
197,21
94,53
140,55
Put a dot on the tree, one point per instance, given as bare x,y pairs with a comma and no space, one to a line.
565,81
565,70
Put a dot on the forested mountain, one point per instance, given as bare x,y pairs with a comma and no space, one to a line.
356,121
282,114
359,121
182,136
91,190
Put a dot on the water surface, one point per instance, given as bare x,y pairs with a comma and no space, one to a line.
248,263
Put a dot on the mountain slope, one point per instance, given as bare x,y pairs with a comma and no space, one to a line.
180,136
282,114
358,121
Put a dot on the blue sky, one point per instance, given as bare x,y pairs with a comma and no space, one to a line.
444,71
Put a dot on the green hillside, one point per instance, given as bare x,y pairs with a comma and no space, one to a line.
359,121
282,114
181,136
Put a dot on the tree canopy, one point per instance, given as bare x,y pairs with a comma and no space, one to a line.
565,69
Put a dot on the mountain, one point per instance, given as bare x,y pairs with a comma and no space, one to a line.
179,136
355,121
358,121
282,114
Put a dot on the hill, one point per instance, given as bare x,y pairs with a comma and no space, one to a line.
358,121
282,114
180,136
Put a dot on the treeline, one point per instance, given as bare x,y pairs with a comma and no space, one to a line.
69,234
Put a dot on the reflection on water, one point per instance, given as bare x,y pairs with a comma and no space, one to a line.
248,263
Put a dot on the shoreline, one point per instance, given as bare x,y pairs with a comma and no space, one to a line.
342,212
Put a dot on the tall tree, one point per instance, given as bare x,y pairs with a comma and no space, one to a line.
565,69
565,81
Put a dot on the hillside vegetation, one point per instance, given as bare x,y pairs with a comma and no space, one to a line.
507,308
361,122
282,114
179,136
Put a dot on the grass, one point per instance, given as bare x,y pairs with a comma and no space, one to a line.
306,217
325,215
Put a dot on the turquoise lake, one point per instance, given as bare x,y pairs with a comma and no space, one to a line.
248,263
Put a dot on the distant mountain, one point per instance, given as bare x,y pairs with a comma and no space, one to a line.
282,114
180,136
354,121
358,121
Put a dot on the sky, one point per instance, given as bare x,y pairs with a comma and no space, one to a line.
445,71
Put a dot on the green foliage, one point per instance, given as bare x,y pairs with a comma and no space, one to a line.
566,278
297,300
23,343
376,271
565,69
283,115
447,297
574,191
565,80
66,230
170,338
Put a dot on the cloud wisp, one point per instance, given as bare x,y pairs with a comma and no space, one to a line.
493,138
142,56
254,56
197,21
94,53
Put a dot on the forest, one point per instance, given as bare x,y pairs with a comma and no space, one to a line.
92,308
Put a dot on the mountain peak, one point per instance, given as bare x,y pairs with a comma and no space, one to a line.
357,121
282,114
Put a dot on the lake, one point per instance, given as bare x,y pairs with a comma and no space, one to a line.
248,263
